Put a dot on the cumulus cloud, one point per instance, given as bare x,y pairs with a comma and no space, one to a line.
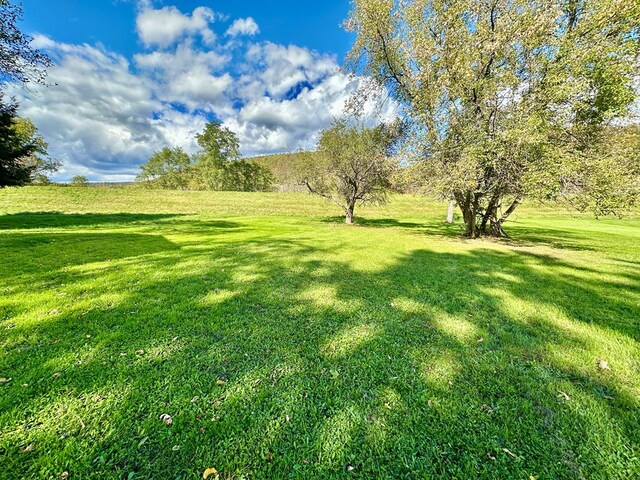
104,113
281,68
188,76
243,26
164,27
99,117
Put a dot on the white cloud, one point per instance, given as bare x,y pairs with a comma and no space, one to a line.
188,76
99,117
281,68
166,26
243,26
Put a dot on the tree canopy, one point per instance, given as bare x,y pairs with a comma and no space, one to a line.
353,165
508,97
217,166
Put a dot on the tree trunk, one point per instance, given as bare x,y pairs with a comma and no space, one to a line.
452,206
348,214
468,204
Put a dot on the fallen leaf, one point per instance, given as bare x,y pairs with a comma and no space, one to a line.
487,409
64,475
56,375
509,452
210,471
175,448
5,380
491,457
564,396
349,468
53,312
387,406
166,418
139,352
195,399
26,449
287,419
603,364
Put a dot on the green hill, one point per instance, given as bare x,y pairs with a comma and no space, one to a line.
286,168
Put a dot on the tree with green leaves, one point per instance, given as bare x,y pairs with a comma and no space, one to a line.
38,161
79,180
23,151
217,166
509,98
353,165
168,168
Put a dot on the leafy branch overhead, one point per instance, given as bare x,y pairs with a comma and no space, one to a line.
19,61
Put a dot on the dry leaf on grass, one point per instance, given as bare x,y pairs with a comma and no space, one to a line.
166,418
210,471
603,364
564,395
221,382
510,453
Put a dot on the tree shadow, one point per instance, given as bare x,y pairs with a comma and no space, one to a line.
277,360
31,220
426,228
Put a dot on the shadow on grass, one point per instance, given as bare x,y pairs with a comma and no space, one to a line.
428,228
62,220
277,361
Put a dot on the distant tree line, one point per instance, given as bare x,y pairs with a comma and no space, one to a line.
217,166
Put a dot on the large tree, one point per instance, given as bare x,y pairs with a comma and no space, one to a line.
509,97
353,165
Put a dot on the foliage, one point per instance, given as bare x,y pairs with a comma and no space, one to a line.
18,60
38,161
168,169
353,165
286,168
290,346
19,147
79,180
508,97
216,167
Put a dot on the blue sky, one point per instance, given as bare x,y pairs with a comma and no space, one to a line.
315,25
132,76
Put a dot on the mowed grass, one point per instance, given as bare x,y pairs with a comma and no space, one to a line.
285,344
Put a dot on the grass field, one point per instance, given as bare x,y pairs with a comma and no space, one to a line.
285,344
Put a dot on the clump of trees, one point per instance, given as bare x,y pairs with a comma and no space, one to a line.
509,99
353,165
217,166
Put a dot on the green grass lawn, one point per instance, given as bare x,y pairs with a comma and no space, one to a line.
285,344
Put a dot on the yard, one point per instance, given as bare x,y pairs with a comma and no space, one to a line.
285,344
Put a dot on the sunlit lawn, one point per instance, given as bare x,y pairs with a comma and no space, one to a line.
285,344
